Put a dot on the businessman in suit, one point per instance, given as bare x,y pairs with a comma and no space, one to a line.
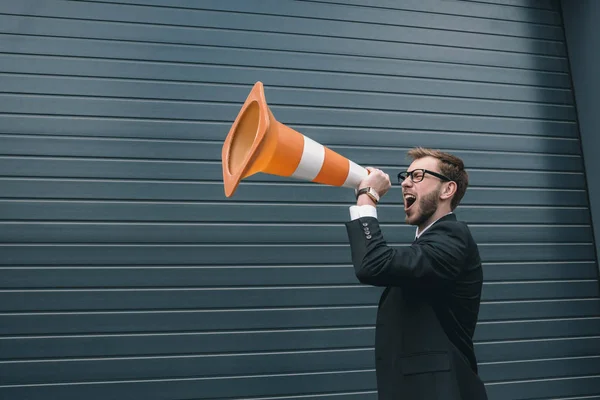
428,311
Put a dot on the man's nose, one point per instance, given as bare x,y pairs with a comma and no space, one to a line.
407,182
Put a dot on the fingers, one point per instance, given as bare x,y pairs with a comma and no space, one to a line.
379,179
375,171
382,174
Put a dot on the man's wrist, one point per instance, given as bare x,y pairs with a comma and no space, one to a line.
365,200
369,193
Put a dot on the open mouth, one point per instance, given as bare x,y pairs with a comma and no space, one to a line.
409,200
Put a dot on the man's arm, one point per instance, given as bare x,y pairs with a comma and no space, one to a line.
435,261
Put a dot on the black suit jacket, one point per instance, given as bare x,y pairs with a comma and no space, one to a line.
427,314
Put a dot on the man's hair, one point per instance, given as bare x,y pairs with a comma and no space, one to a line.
450,166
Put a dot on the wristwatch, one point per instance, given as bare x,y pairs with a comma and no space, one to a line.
369,191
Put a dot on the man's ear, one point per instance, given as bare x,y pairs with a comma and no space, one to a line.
449,190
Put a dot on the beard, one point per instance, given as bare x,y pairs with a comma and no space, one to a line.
427,205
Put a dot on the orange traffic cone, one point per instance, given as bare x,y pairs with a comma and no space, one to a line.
257,142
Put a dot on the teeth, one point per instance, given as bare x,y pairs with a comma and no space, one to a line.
409,197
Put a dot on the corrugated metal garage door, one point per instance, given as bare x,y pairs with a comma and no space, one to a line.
126,274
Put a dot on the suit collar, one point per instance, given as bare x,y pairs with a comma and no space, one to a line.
448,217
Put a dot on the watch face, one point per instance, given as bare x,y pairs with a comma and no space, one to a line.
369,191
374,193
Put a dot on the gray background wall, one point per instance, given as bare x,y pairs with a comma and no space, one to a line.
582,32
126,274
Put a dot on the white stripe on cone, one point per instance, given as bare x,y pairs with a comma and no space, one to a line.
355,175
312,160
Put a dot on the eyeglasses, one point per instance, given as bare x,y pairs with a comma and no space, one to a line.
418,175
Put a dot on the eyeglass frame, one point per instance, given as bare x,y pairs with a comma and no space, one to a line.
409,174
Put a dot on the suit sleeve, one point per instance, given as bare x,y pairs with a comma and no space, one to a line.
436,260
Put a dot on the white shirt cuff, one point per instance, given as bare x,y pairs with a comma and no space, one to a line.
362,211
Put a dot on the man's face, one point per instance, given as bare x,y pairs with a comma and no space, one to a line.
421,199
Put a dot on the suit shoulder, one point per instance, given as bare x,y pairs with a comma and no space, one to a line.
461,231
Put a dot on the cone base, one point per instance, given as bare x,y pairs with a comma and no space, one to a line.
244,138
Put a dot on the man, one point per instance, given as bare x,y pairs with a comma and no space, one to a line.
427,314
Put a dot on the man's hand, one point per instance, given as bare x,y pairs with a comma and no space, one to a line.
376,179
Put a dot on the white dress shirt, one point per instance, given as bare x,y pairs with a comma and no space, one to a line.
366,210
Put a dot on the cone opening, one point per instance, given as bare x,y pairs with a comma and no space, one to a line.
244,138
